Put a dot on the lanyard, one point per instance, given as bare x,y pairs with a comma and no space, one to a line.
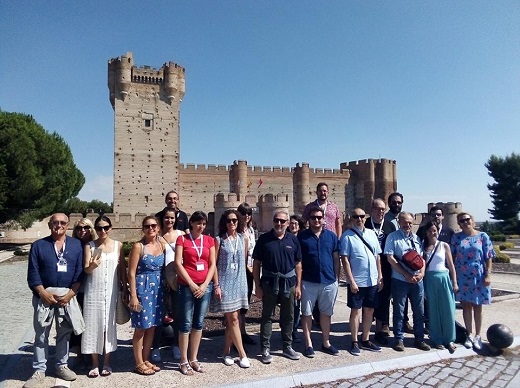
199,252
59,254
380,227
233,246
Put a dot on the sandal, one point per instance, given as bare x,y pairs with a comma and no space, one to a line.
185,369
94,372
143,369
153,367
107,371
195,365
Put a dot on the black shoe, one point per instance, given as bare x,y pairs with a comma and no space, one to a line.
407,328
381,338
247,340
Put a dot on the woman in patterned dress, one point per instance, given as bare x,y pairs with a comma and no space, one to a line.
473,254
230,283
146,294
105,272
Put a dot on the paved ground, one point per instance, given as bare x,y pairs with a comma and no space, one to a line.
412,368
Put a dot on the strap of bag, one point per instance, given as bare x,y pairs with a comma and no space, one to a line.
433,254
364,242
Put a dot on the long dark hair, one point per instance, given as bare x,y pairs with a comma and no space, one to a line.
427,227
222,224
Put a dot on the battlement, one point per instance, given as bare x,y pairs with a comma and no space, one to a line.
269,169
191,167
326,171
147,75
367,161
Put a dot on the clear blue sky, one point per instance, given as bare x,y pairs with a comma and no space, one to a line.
434,85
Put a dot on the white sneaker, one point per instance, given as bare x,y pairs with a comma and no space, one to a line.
477,343
244,362
35,380
176,353
228,360
468,344
156,355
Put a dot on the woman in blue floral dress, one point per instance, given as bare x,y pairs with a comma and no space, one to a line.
473,254
146,293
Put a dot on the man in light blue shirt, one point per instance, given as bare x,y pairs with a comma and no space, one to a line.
406,282
360,250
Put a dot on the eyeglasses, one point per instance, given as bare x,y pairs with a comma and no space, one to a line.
464,220
80,227
62,223
104,228
316,218
231,220
150,226
279,221
358,216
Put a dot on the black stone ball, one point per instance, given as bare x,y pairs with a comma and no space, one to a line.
500,336
167,331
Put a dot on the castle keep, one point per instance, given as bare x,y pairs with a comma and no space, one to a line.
146,103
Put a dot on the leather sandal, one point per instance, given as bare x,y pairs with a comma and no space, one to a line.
143,369
195,365
154,367
185,369
93,373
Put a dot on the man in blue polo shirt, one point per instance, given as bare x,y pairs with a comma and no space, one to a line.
406,283
359,250
277,255
320,272
55,261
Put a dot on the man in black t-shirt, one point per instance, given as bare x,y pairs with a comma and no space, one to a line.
181,219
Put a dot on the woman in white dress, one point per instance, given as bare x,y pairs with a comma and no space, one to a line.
105,269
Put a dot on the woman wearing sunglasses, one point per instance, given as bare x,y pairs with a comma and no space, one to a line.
146,293
195,266
473,254
230,283
104,264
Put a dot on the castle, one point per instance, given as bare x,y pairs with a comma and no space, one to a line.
146,103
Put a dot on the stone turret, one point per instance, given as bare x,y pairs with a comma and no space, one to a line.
301,187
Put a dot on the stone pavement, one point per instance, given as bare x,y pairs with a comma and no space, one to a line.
412,368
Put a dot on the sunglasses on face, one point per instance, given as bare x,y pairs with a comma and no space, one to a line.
104,228
316,218
231,220
62,223
279,221
150,226
358,216
79,227
464,220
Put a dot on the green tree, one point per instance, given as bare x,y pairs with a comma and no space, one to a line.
37,170
505,191
76,205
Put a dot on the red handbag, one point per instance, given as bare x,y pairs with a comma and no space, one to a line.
413,260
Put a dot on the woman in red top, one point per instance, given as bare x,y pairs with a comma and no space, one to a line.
195,266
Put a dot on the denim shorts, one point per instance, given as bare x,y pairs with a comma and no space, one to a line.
190,310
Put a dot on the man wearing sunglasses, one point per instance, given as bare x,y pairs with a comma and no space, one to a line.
320,273
54,276
360,250
277,255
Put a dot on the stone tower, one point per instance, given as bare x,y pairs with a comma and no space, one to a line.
146,103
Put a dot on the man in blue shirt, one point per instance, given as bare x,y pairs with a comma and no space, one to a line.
320,272
359,250
406,282
54,261
277,255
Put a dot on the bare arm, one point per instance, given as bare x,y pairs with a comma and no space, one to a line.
379,273
338,227
451,267
348,272
132,269
335,257
298,287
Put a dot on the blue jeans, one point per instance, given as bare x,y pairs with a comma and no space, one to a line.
41,340
415,292
190,310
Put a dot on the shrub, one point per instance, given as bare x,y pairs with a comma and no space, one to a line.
127,246
502,258
19,252
506,245
498,237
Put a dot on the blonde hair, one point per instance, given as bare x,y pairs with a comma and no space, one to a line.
81,222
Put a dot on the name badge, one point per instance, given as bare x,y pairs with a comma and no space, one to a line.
62,265
234,266
200,266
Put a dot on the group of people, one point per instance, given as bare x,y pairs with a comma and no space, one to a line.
296,266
